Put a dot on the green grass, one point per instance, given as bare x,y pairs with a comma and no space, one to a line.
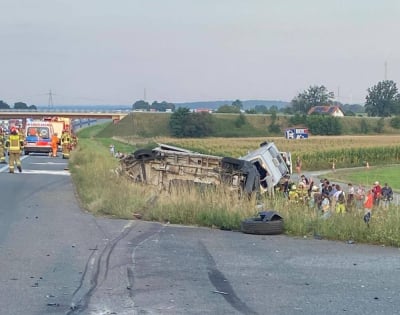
385,174
93,133
157,124
138,124
226,126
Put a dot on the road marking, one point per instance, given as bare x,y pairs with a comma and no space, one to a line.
50,163
65,173
4,168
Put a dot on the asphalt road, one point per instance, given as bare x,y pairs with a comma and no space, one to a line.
57,259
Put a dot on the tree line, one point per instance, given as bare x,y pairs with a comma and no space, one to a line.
382,100
17,105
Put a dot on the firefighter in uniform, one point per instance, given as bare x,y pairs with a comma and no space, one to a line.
66,144
14,145
2,144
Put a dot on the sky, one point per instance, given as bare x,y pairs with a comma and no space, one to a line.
118,52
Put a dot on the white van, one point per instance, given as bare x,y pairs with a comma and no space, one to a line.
38,137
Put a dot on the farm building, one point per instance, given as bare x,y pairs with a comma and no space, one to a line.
326,110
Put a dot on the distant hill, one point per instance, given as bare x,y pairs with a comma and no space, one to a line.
246,104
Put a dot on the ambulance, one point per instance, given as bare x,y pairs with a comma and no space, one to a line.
38,137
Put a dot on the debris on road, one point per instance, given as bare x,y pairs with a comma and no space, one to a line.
220,292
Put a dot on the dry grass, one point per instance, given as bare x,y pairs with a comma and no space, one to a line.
104,193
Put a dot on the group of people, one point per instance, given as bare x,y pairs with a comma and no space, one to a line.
67,143
328,198
14,144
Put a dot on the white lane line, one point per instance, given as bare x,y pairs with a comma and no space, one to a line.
2,169
65,173
48,163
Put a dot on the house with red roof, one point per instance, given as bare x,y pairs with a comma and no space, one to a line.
335,111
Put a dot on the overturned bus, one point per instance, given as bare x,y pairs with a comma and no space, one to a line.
167,166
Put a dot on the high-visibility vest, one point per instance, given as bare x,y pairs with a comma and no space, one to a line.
66,138
15,144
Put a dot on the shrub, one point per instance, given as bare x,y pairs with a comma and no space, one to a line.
395,122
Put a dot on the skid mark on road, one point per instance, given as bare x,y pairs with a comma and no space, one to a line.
222,285
136,243
101,265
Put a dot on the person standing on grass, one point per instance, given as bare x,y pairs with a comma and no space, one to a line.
285,187
326,206
325,187
314,197
340,200
112,150
368,204
387,196
360,197
305,181
350,195
293,194
377,191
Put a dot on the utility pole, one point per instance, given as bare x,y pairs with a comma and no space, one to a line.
144,95
385,70
50,102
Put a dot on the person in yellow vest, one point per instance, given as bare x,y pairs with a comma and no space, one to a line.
65,144
14,145
293,194
2,145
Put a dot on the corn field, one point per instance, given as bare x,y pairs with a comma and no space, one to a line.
316,152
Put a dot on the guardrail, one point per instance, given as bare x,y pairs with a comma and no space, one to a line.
50,110
98,114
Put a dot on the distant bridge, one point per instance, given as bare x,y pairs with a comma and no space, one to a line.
115,115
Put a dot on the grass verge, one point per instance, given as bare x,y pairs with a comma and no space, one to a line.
103,191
